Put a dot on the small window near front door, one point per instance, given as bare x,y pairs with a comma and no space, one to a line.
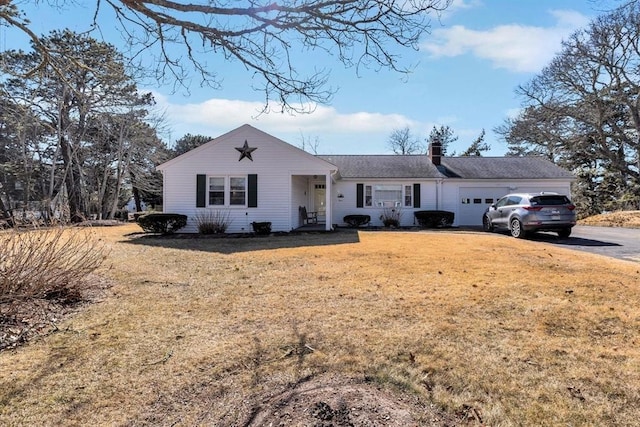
319,199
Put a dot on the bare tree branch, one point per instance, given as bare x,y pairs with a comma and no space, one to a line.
265,36
403,142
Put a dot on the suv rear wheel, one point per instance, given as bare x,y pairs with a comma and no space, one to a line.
515,226
564,233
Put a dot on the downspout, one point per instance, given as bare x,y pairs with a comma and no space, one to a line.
164,190
438,193
328,196
331,178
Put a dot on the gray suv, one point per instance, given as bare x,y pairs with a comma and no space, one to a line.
521,213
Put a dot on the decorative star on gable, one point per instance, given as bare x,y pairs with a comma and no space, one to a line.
245,151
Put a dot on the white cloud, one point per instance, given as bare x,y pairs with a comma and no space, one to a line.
360,132
519,48
223,113
354,133
463,4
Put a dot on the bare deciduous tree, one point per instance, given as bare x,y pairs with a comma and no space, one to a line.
309,144
583,111
264,36
402,141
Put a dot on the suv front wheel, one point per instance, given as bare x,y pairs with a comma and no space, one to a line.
515,226
486,223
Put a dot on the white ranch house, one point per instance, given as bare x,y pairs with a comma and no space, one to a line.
254,176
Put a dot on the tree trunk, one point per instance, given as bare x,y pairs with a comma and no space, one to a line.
6,213
72,181
136,199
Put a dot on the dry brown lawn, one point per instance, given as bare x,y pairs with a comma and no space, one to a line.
628,219
482,328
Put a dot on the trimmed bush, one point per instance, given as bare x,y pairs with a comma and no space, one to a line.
122,215
434,219
261,228
165,223
356,220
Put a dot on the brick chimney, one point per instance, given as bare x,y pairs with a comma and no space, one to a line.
435,152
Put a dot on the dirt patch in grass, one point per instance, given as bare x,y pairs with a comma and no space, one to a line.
347,327
330,401
37,318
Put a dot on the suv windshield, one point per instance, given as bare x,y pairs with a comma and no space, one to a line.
549,200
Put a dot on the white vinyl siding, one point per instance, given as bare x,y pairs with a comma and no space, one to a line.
346,205
274,163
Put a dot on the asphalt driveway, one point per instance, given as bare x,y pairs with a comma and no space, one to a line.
621,243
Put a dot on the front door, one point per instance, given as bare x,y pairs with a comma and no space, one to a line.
320,201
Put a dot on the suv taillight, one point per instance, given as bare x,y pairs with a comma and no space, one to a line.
533,208
571,207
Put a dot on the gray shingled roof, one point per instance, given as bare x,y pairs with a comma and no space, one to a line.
504,168
383,166
420,166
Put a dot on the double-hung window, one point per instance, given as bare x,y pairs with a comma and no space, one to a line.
227,191
408,196
237,191
216,190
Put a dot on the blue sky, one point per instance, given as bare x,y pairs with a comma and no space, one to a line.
464,76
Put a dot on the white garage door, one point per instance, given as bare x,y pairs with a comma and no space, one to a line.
474,201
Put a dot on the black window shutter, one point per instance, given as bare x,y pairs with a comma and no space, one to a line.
359,195
416,195
252,190
201,191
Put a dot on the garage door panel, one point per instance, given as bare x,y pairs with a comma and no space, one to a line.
475,200
559,190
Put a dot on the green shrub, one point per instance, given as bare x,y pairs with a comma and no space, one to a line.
434,219
261,228
356,220
165,223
